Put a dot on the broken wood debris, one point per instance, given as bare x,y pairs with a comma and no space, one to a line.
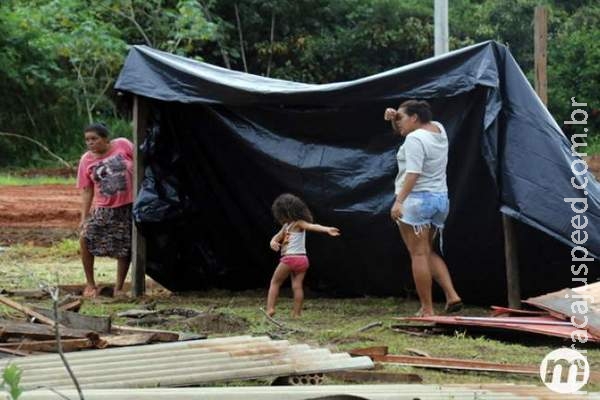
374,376
15,329
50,345
26,310
78,321
78,332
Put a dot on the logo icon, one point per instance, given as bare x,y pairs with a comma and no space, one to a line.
565,370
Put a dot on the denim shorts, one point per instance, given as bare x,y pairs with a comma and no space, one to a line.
423,209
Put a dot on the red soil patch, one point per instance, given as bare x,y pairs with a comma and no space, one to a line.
38,214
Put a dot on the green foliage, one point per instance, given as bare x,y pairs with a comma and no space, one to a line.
573,67
11,378
60,58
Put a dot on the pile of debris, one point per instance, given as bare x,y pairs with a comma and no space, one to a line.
559,314
127,357
37,334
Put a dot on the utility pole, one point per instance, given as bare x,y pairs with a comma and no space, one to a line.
540,46
440,27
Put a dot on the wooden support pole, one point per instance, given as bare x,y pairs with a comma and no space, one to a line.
511,261
540,45
540,40
138,245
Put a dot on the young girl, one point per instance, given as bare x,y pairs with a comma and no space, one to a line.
295,217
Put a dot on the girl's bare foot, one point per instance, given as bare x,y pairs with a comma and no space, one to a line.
270,312
90,291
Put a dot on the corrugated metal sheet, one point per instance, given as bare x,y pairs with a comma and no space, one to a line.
374,392
183,363
566,301
540,325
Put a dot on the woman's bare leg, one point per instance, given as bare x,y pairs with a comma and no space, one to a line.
122,269
279,276
439,271
419,247
298,289
87,259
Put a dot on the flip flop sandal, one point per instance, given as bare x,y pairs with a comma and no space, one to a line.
453,307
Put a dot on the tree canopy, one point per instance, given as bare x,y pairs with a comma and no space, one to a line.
61,57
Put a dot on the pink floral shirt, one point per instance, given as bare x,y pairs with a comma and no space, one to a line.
110,175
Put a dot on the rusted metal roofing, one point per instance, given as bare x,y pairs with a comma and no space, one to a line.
540,325
373,392
569,303
183,363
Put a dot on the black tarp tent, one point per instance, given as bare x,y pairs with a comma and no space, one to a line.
223,144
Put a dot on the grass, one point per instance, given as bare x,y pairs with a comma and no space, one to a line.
15,180
332,323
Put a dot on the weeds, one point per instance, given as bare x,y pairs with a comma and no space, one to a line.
11,379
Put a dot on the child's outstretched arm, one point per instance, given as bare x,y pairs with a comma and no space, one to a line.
276,240
330,230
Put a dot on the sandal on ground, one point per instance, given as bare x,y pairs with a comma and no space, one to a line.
453,307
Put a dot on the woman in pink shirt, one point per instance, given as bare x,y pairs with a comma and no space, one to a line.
105,177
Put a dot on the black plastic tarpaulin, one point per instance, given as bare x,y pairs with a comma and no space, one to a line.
223,144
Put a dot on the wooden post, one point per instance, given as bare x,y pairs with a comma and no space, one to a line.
513,281
511,261
540,40
138,245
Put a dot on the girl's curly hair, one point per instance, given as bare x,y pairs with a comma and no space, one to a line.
287,208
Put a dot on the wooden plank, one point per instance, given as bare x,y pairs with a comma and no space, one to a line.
454,363
50,345
79,321
28,311
511,260
13,352
37,331
132,339
73,306
27,293
161,335
138,246
374,376
369,351
540,46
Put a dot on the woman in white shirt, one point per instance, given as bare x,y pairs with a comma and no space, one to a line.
422,204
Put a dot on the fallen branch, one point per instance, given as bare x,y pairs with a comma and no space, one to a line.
279,324
273,321
8,134
370,326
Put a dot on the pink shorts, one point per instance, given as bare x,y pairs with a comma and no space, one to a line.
296,262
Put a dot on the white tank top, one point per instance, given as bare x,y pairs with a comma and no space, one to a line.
293,242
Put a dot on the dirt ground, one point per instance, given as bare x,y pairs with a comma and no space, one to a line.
39,215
